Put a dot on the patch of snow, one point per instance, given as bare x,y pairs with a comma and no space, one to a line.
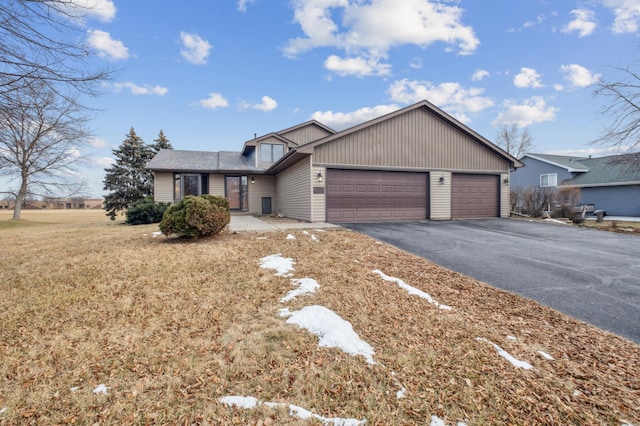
249,402
320,230
156,234
314,238
261,238
400,393
546,355
3,410
556,221
74,389
512,338
305,286
506,355
291,237
333,331
284,312
437,421
245,402
282,265
577,393
305,232
101,388
411,290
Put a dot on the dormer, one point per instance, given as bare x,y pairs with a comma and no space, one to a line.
267,149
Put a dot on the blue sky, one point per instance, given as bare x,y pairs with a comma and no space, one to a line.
210,74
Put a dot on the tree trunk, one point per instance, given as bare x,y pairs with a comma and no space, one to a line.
20,197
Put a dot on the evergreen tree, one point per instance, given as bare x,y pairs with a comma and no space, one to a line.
161,143
127,180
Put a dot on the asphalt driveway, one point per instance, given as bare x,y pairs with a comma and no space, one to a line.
587,274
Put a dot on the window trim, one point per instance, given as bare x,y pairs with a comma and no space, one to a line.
551,178
270,147
178,184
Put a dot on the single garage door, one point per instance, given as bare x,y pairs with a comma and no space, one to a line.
474,196
370,196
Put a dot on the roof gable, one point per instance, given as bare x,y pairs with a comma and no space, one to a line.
432,109
570,164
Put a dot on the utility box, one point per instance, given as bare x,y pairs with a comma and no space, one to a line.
266,205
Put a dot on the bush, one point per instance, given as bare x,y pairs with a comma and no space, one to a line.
196,217
145,211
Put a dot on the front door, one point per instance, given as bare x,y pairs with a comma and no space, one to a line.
236,190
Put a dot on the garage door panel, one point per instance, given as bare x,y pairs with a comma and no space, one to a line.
474,196
378,195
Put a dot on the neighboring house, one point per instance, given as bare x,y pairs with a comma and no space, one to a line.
415,163
57,203
609,183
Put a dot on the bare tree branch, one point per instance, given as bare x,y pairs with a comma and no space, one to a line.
513,140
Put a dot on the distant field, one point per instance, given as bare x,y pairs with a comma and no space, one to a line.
168,328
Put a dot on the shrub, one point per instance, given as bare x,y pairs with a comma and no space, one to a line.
145,211
196,217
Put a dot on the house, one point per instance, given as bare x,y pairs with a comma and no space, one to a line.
609,183
414,163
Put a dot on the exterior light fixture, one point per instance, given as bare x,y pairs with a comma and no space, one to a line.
441,180
253,180
506,180
320,177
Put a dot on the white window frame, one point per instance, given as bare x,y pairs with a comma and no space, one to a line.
548,180
270,148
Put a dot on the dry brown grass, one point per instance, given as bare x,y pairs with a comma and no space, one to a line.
171,327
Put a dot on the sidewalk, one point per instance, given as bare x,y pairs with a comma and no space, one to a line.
243,223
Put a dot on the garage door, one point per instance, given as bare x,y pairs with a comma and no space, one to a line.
474,196
369,196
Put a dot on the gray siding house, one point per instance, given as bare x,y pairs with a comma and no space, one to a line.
610,183
415,163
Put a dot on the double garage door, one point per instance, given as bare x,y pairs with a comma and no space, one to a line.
374,196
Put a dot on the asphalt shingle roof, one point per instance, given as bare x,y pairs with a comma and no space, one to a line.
607,170
570,163
201,161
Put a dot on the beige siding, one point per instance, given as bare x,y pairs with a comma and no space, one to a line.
263,186
306,134
415,140
216,185
505,194
318,201
163,187
440,195
293,189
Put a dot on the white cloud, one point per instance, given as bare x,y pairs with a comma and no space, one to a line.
584,22
416,63
141,90
103,10
341,120
527,77
215,100
95,142
578,76
267,104
99,162
242,5
479,74
451,97
533,110
627,14
106,46
195,48
368,30
359,67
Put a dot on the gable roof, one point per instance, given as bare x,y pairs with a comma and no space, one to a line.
613,170
571,164
296,153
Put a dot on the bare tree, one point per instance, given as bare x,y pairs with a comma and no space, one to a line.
513,140
39,42
623,111
39,142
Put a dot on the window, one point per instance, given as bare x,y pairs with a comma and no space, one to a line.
270,153
189,184
550,179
